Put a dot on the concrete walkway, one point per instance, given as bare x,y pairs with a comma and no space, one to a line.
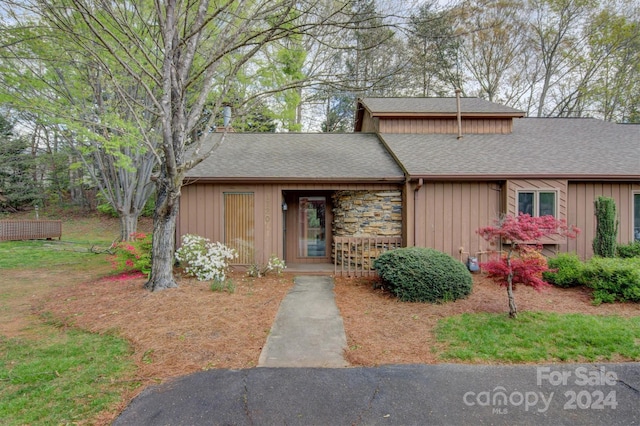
308,329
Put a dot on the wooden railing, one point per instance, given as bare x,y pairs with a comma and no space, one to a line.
12,230
354,256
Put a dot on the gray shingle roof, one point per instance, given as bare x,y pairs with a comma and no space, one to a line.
379,106
282,156
558,147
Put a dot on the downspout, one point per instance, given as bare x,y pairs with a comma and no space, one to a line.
415,208
459,113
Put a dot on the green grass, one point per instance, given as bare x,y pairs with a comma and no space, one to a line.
58,376
61,380
47,254
539,337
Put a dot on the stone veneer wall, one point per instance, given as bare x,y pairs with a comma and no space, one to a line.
367,214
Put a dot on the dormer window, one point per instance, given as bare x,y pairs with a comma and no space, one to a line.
537,202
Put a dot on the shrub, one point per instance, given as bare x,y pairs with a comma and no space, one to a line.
565,270
273,265
416,274
629,250
613,279
134,255
205,260
604,244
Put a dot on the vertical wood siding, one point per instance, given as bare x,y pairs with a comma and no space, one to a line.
445,125
202,211
448,214
581,198
239,225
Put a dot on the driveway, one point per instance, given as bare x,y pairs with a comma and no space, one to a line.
449,394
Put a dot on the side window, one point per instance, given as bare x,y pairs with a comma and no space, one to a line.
525,203
636,217
537,203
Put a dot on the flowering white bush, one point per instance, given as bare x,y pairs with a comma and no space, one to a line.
203,259
274,264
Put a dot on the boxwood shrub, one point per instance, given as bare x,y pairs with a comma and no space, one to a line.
565,270
613,279
629,250
417,274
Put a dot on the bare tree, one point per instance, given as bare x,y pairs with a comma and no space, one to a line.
184,56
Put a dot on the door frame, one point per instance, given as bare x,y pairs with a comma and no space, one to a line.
291,236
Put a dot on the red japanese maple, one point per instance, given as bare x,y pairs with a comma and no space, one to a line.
522,262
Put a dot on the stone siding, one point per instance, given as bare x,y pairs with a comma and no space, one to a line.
367,214
373,219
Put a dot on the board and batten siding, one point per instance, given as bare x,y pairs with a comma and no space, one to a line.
581,198
202,211
448,214
445,125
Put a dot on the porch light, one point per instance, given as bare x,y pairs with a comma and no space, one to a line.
284,206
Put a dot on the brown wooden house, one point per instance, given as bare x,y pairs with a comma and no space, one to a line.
416,172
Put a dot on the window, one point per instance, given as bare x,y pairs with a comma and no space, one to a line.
636,217
537,203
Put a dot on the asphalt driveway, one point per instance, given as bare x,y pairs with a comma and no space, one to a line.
575,394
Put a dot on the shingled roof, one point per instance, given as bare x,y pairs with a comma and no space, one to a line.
577,148
308,157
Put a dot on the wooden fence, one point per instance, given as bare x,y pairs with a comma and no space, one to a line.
354,256
12,230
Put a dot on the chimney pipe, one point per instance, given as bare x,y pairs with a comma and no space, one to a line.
226,116
459,113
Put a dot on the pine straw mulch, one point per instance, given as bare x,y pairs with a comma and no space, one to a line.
191,328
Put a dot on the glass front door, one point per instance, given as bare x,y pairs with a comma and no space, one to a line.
312,226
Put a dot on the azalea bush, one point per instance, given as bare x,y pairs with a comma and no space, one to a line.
274,265
203,259
134,255
522,262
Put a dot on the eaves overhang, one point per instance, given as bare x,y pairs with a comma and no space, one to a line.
283,180
511,176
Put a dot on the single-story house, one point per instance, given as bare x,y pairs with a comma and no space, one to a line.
416,172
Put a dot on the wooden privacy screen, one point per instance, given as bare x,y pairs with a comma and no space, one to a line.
13,230
239,225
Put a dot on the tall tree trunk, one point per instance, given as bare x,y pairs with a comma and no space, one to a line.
164,230
128,226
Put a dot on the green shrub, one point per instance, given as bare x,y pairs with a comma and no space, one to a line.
135,255
613,279
629,250
565,270
604,244
416,274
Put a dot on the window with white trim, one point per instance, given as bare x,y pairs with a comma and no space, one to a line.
636,216
538,202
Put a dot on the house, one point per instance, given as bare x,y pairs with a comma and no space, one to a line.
417,172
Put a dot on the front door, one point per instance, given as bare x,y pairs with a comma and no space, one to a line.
308,220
